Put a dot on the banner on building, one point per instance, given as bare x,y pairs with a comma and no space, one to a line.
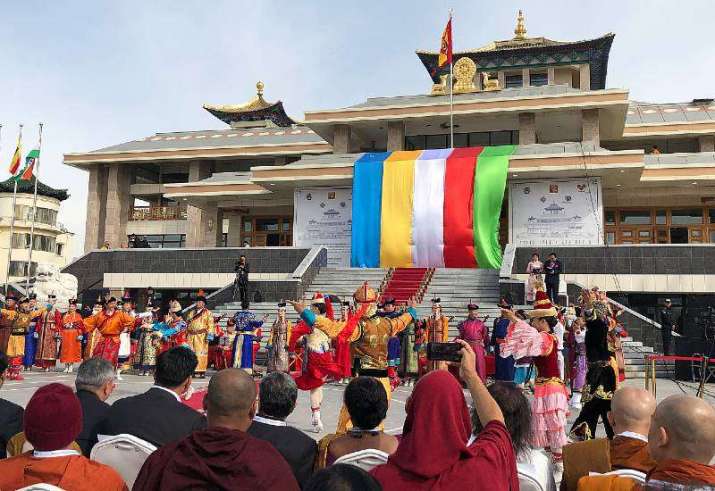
556,212
323,217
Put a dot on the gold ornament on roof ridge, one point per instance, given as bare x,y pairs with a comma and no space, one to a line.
464,71
520,30
255,104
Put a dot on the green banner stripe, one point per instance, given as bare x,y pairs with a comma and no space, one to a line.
489,186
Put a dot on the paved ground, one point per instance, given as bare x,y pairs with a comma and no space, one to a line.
20,393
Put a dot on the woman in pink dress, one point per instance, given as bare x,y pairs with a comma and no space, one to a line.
534,269
475,332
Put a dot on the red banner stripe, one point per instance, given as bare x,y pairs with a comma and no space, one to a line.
458,199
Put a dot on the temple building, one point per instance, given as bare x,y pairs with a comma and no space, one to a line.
592,168
52,241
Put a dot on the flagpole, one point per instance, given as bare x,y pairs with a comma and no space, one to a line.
451,86
34,212
12,226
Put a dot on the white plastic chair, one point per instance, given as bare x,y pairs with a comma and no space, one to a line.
40,487
630,473
365,459
124,453
529,483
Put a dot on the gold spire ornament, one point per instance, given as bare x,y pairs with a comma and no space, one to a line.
520,30
259,88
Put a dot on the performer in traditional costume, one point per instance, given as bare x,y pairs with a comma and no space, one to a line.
394,346
534,269
368,334
149,343
7,321
437,331
503,367
30,341
577,356
48,329
110,323
200,330
224,352
601,378
72,329
19,320
343,354
277,344
550,403
92,338
474,331
248,329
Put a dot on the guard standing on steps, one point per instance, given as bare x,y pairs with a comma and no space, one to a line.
241,281
667,325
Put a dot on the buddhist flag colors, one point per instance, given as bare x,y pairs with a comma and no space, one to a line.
432,208
30,161
445,47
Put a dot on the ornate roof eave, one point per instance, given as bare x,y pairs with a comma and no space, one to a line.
257,109
531,51
28,187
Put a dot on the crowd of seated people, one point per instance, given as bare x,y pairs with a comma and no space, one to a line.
243,441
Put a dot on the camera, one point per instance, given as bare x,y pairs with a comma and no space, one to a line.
444,352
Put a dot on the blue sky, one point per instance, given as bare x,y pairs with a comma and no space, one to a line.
104,72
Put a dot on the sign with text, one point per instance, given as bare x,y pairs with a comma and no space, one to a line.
556,212
323,217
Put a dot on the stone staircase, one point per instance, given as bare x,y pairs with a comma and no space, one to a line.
456,288
634,354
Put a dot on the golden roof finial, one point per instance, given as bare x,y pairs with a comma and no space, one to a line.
520,31
259,88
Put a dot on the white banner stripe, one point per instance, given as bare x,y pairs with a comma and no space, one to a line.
427,216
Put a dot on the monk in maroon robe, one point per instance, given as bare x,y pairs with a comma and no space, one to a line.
223,456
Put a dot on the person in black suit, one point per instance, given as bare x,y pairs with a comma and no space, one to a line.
158,415
95,382
277,397
10,413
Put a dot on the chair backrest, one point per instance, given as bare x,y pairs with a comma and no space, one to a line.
632,473
529,483
365,459
40,487
124,453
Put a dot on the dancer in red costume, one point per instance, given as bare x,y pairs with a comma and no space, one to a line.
343,356
318,361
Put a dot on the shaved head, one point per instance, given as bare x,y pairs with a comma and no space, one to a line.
631,410
683,427
231,395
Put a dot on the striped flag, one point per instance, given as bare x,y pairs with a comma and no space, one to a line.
431,208
16,157
30,162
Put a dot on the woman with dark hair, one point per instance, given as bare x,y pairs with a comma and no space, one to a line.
434,452
534,270
531,463
342,477
364,445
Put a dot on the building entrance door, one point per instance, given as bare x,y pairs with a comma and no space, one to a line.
267,231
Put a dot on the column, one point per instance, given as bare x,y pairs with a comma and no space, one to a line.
341,138
96,210
590,127
585,76
395,136
527,128
525,79
706,143
234,230
197,219
551,75
501,77
119,180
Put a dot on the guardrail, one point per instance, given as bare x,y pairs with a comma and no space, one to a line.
157,213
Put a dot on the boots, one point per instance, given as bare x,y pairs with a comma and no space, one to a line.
119,374
316,421
576,400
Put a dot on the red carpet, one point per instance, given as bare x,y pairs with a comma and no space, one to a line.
404,284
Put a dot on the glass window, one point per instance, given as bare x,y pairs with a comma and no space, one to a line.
461,140
513,81
479,139
610,238
19,268
435,141
644,233
247,225
610,217
635,217
538,79
660,217
267,225
501,138
415,142
286,226
687,217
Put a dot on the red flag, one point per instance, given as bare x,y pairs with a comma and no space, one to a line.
445,50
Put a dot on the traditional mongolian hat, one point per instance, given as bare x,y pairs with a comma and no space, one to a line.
436,301
317,299
389,301
111,299
72,301
542,306
504,303
472,306
33,296
24,300
281,305
10,296
51,295
365,294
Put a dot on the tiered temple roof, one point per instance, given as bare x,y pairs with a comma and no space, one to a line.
257,110
524,52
